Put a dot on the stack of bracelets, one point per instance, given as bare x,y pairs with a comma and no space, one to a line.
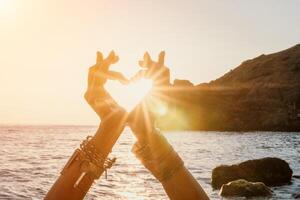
93,163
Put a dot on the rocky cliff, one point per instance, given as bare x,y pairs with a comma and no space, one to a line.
261,94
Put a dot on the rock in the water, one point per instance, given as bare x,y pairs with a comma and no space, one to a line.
270,171
243,188
296,196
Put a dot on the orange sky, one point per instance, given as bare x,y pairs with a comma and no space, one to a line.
47,46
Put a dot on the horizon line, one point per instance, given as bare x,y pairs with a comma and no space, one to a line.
33,124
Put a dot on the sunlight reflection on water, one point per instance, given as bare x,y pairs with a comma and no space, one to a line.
32,157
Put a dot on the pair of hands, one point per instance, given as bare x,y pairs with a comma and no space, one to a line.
140,120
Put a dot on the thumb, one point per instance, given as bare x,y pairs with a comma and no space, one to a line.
99,57
161,58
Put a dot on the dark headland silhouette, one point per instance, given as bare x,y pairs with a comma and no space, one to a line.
262,94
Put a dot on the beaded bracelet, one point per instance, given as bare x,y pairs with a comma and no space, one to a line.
93,162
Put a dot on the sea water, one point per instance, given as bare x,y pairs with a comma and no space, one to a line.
31,158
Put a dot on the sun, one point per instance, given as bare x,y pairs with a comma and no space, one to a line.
3,4
7,8
129,96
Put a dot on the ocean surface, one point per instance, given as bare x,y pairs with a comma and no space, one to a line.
31,158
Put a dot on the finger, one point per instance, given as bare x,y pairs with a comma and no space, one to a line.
91,75
117,76
140,74
99,68
105,65
99,57
147,59
96,76
123,79
161,58
116,59
112,57
146,62
147,56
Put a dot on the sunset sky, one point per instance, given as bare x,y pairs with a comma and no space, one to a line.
46,46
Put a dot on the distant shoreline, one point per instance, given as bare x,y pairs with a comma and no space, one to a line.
261,94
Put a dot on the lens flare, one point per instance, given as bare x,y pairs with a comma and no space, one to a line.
128,96
157,106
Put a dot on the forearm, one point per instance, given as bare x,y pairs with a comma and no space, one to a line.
182,185
109,131
88,162
158,156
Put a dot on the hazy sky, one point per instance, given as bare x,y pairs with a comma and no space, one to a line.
46,46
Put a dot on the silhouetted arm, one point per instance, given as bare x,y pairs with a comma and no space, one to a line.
152,149
158,156
183,185
90,160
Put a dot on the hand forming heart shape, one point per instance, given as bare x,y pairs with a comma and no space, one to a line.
130,93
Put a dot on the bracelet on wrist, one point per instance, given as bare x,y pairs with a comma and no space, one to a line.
93,163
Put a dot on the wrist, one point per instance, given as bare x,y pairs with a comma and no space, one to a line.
158,156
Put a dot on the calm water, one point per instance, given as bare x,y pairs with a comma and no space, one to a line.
32,157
